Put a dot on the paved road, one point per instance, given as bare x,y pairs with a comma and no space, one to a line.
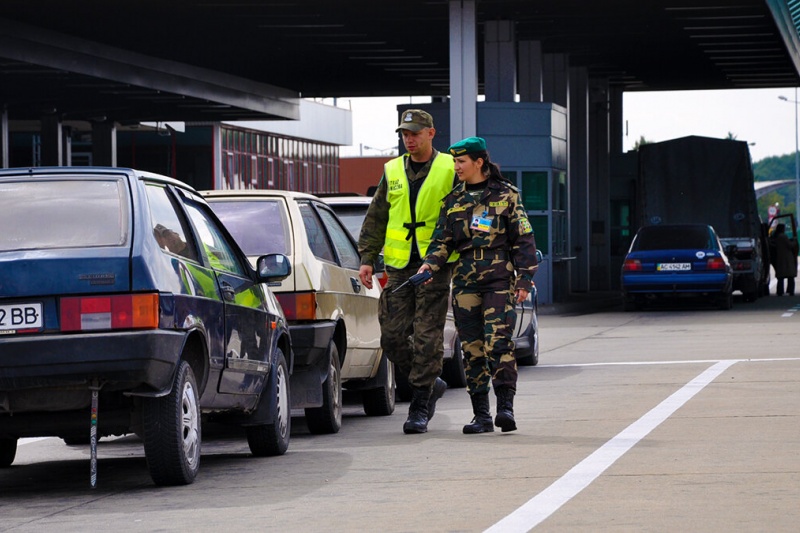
665,420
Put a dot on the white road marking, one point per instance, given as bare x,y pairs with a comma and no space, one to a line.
547,502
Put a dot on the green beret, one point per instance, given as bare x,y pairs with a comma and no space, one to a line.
470,145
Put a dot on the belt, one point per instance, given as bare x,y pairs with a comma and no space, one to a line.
486,253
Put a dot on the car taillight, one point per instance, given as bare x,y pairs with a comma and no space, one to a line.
120,311
632,265
742,265
298,305
715,263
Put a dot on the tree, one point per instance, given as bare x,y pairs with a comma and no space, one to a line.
641,142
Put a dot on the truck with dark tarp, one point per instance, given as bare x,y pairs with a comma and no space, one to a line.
710,181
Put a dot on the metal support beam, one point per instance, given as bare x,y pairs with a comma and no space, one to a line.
463,70
499,61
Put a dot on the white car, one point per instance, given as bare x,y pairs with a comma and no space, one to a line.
353,208
333,318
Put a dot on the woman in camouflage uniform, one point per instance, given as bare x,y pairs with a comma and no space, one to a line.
483,220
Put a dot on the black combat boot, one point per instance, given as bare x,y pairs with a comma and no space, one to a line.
505,409
439,386
482,422
417,421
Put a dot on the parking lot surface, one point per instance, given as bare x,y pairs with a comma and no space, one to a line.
674,419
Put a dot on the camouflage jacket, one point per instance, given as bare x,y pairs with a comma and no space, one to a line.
373,230
492,234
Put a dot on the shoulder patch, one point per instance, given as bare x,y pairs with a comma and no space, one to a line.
525,226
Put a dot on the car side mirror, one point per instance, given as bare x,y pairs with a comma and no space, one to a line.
539,256
273,267
380,266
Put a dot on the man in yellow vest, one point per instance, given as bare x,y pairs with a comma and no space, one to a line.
400,221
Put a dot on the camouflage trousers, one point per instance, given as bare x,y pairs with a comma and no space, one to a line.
412,324
485,322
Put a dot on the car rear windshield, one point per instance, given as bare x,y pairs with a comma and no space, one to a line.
259,227
352,216
44,214
673,238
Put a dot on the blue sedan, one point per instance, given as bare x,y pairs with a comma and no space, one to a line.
676,261
127,307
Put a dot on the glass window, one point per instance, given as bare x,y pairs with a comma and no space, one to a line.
248,221
540,232
216,248
315,233
534,191
167,228
348,254
79,213
674,238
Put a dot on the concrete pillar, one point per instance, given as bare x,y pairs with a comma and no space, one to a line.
104,144
52,146
578,148
617,131
555,79
463,70
599,189
66,148
5,138
499,61
530,71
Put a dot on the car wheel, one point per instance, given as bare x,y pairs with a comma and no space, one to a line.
380,401
8,450
533,358
726,301
172,433
453,370
327,418
273,439
78,441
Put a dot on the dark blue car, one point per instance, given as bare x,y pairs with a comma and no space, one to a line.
676,260
126,307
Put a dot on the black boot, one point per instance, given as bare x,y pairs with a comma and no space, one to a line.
417,421
505,409
439,386
482,422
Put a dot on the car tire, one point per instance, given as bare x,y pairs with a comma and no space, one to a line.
381,401
272,439
453,369
8,450
78,441
533,358
725,302
327,418
172,432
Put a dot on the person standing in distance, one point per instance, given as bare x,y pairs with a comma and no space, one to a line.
400,220
785,260
484,221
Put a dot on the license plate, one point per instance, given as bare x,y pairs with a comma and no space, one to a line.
674,266
20,316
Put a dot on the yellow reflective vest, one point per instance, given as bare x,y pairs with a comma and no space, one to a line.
400,229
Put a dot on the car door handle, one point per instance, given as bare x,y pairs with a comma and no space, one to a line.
227,291
356,284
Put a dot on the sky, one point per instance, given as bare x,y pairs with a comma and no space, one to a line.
757,116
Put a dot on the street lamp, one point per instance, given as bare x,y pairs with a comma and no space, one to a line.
796,158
